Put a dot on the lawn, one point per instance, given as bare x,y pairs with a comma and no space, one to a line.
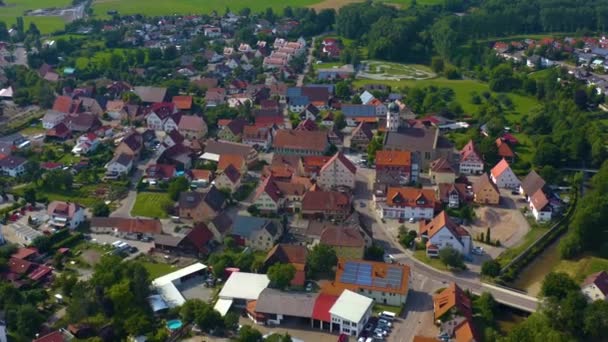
378,308
531,236
150,204
157,269
382,70
152,8
16,8
433,262
581,268
83,196
326,65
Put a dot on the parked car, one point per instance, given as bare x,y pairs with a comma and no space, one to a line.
478,250
381,332
514,192
369,327
384,322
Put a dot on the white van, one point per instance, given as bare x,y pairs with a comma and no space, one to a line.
115,244
387,315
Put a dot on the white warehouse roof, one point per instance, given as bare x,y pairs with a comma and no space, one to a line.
165,285
171,277
351,306
242,285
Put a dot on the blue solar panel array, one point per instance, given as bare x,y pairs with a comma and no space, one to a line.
361,274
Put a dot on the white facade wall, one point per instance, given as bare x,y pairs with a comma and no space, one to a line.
387,212
336,175
506,180
593,293
351,328
540,216
471,167
444,238
119,168
154,122
264,202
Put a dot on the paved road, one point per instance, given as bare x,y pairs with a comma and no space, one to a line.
300,81
466,280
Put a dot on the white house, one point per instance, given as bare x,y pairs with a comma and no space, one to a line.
471,162
268,197
119,165
337,172
503,176
86,143
351,312
539,205
172,123
595,286
65,214
407,203
13,166
155,122
442,232
52,118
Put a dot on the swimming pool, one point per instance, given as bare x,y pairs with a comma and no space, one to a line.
174,324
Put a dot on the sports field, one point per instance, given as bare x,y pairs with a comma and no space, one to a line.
16,8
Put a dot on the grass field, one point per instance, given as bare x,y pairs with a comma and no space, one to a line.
581,268
150,204
16,8
433,262
531,236
157,269
382,70
82,196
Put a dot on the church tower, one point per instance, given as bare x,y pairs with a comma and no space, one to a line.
392,117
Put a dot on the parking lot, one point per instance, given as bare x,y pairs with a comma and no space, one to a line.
107,239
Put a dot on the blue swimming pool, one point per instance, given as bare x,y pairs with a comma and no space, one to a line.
174,324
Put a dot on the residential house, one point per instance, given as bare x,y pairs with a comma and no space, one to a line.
301,142
160,172
338,172
192,127
356,113
503,176
220,226
236,160
200,178
120,165
201,207
268,197
86,143
126,227
350,313
300,97
540,207
310,112
346,241
471,161
452,194
397,163
215,148
182,102
231,130
82,122
195,241
158,116
256,232
289,254
330,74
229,178
385,283
407,203
64,104
595,286
361,136
442,171
150,95
531,184
426,143
255,135
442,232
65,214
485,190
326,204
13,166
504,150
453,310
52,118
215,97
131,145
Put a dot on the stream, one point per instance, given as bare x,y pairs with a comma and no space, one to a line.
531,277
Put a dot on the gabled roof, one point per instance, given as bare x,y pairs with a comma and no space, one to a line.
539,200
599,279
150,94
63,104
393,158
465,332
504,150
307,125
236,126
287,254
500,168
199,236
340,157
354,110
439,222
270,188
192,123
365,129
128,225
237,161
232,173
532,183
182,102
441,165
244,226
410,197
63,208
484,182
452,297
122,159
222,222
342,237
469,151
301,140
55,336
322,201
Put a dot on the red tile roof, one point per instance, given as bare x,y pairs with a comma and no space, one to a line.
269,187
539,200
342,237
451,297
440,221
410,197
62,104
504,150
55,336
393,158
19,266
24,253
501,167
322,306
301,140
468,151
182,102
340,157
323,201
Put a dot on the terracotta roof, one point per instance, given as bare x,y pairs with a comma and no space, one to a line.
599,279
128,225
532,183
501,167
539,200
342,237
285,253
504,150
291,188
183,102
441,165
484,182
444,190
342,159
236,126
19,266
55,336
301,140
63,208
24,253
255,132
321,201
62,104
364,128
322,306
230,159
410,197
393,158
201,174
465,332
307,125
469,150
199,236
192,123
452,297
440,221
